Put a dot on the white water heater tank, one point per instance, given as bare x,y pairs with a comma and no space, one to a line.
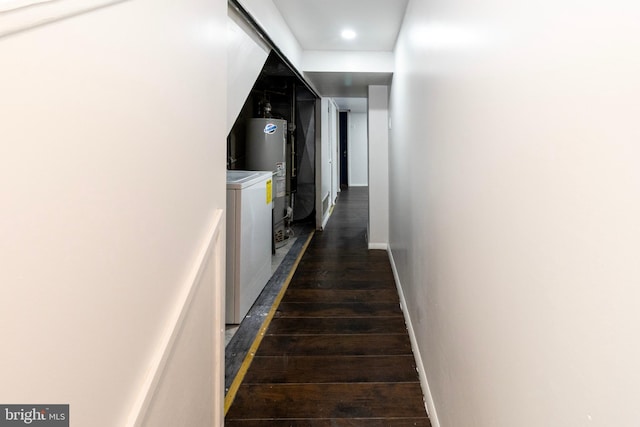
266,150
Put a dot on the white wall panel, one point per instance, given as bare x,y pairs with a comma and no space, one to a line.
514,186
324,170
112,165
378,166
246,55
357,149
347,61
334,150
269,18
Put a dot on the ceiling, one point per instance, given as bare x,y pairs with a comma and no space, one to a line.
317,25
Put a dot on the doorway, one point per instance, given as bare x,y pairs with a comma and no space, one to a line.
344,155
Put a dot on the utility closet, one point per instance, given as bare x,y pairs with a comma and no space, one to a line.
281,99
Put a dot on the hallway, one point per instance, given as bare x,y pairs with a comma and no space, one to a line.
337,351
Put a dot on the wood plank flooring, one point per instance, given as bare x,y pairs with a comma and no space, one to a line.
337,352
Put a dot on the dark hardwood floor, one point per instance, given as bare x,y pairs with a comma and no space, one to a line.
337,352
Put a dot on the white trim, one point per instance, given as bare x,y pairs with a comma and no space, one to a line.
325,219
19,15
12,5
211,254
428,398
383,246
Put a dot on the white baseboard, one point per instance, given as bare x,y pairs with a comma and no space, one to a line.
383,246
325,219
422,374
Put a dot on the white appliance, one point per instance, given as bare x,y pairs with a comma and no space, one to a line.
266,150
249,221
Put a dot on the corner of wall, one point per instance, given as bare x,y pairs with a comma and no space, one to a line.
422,374
380,246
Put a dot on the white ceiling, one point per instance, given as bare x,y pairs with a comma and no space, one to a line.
317,25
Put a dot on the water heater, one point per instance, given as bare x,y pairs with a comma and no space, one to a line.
266,151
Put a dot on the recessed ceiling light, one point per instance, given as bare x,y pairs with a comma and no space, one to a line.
348,34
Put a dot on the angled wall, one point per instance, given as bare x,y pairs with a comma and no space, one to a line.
267,15
246,55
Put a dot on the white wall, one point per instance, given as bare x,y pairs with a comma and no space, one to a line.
112,166
347,61
267,15
378,149
334,150
324,158
357,149
514,180
246,55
